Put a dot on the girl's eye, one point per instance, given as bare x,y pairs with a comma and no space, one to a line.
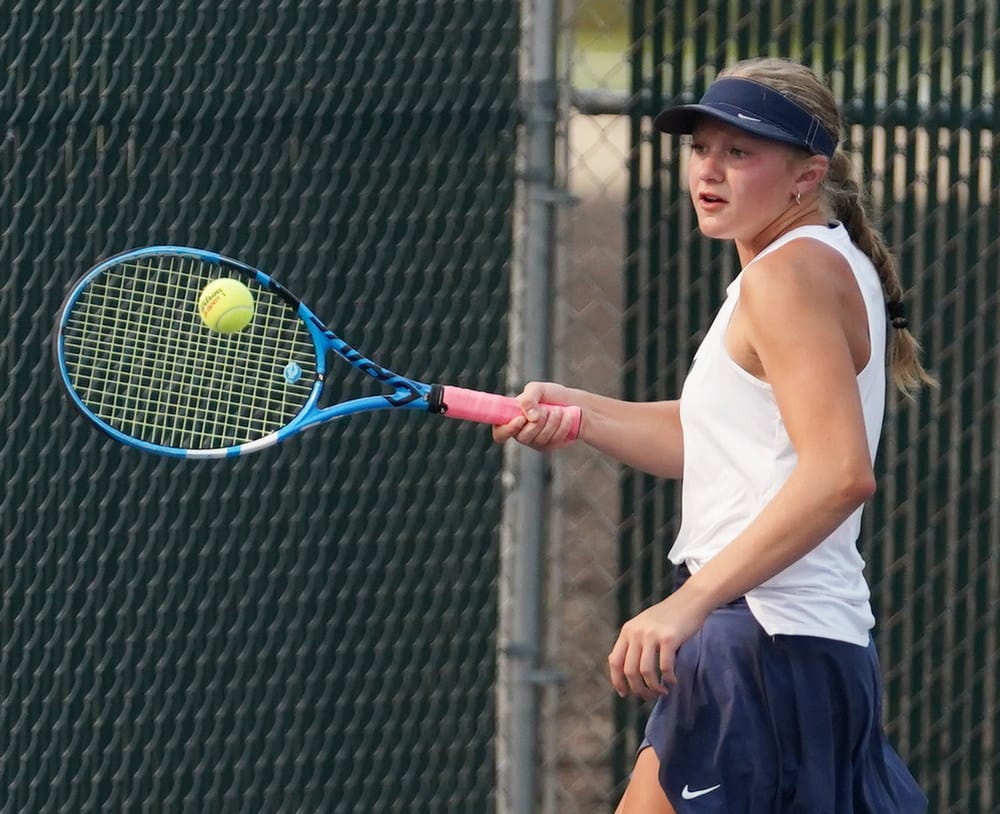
697,147
736,152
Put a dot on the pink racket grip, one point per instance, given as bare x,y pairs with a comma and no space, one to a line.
489,408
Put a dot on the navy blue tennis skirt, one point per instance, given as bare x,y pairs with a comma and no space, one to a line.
761,724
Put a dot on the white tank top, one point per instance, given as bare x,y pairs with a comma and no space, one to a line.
737,455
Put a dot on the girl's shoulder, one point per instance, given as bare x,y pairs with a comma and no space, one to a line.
801,266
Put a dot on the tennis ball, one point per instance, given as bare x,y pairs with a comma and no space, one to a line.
226,305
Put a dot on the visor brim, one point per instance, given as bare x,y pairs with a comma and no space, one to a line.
683,118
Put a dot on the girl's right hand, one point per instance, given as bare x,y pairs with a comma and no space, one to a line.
543,424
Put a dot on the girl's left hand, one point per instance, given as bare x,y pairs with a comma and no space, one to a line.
642,660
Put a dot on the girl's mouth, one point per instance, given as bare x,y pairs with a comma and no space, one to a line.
708,197
710,202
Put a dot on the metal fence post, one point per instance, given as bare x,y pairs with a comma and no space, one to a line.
523,533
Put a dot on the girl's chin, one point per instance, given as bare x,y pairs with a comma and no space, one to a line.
710,227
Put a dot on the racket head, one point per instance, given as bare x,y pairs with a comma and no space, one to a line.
139,362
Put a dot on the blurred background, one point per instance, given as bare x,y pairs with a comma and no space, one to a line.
392,613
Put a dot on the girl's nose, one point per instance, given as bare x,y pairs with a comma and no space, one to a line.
708,166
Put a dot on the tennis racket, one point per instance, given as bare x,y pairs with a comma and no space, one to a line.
139,361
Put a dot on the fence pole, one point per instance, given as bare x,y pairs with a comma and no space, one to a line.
525,477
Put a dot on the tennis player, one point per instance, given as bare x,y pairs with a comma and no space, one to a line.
761,661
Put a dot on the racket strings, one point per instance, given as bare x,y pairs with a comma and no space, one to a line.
140,357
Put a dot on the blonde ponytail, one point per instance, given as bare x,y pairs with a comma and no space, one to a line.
850,208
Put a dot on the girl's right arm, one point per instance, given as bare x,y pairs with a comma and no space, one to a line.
643,435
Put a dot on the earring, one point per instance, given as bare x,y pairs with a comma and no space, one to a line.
798,198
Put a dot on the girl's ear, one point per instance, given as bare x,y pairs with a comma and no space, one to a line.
812,172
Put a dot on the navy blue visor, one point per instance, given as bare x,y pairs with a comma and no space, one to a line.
756,109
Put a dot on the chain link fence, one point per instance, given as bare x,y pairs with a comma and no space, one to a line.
310,629
917,84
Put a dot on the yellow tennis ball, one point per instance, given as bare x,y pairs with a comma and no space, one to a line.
226,305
